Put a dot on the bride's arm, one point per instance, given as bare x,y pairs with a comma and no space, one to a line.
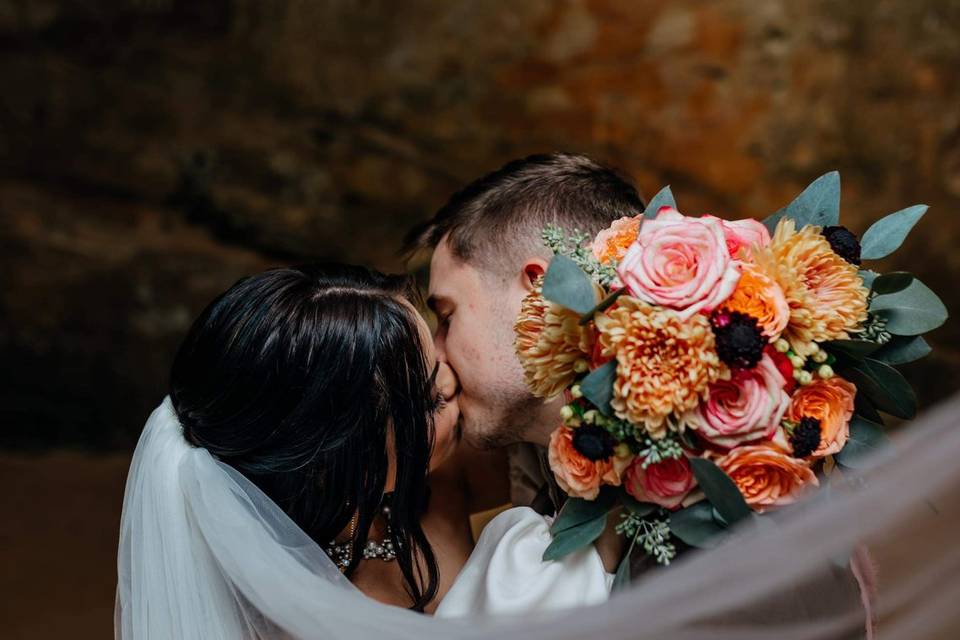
611,545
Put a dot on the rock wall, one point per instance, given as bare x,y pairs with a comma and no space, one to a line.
153,151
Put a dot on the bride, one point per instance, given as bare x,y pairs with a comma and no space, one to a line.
309,439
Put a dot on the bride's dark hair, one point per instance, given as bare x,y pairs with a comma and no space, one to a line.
297,378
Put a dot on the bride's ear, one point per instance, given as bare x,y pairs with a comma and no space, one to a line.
533,269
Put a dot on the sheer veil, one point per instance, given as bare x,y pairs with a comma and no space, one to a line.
204,554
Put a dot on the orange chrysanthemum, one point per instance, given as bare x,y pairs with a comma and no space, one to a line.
612,243
551,344
758,295
664,363
825,294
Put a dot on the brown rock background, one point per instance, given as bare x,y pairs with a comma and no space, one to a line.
153,151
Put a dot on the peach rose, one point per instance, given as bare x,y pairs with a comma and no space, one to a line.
612,243
745,408
741,234
831,402
681,263
760,297
577,475
766,476
666,483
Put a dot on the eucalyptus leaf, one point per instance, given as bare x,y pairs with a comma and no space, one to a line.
636,507
621,579
868,277
818,204
865,439
567,285
603,305
696,526
597,387
720,490
576,511
903,349
884,386
664,198
912,311
887,234
865,409
855,349
891,282
574,538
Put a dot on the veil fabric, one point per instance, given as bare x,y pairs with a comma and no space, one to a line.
205,554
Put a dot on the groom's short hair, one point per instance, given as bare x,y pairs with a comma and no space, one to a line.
497,220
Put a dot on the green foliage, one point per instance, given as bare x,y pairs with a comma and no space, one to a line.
884,387
577,511
664,198
866,438
652,534
656,451
574,538
855,349
903,349
577,247
697,526
891,283
567,285
720,490
887,234
818,204
912,311
597,386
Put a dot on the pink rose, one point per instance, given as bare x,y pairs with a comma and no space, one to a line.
666,483
680,262
745,408
743,233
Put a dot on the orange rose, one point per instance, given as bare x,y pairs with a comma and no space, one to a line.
831,402
612,243
577,475
766,476
759,296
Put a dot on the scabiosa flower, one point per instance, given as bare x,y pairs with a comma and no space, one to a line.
844,243
806,437
593,442
740,341
664,363
825,294
551,344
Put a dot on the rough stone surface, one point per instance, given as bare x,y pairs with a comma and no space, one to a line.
153,151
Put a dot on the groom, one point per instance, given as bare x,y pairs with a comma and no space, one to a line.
487,255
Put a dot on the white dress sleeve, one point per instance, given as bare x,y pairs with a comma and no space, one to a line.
505,573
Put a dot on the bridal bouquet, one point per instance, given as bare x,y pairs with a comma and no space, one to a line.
714,370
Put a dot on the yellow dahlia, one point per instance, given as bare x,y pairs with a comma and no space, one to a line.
551,344
664,364
825,294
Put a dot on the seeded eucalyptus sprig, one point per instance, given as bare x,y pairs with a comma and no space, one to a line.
576,247
653,535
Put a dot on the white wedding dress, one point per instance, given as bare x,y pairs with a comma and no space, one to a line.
505,574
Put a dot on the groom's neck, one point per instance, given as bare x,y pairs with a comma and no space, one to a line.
546,420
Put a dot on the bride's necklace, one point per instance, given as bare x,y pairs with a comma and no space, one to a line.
342,552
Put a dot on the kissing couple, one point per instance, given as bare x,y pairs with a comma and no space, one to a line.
316,457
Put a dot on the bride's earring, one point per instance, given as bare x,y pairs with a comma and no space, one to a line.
342,552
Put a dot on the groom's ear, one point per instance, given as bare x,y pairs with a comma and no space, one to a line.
532,269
